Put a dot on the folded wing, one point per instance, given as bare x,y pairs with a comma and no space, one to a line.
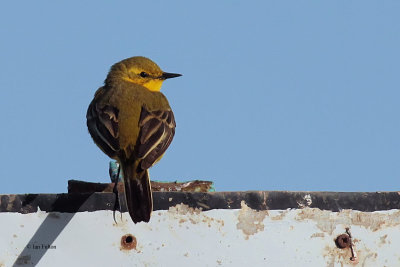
102,122
157,129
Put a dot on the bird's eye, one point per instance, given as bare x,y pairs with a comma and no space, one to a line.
144,74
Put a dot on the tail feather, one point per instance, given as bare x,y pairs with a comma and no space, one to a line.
138,193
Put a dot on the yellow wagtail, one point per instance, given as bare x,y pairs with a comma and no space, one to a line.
131,121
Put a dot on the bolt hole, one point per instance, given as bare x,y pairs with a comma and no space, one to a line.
128,239
128,242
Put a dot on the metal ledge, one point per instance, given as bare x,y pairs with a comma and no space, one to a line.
258,200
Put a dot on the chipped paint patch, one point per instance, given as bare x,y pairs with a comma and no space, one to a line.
182,209
250,221
183,213
280,216
317,235
327,221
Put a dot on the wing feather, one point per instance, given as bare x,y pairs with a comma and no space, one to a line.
102,124
157,129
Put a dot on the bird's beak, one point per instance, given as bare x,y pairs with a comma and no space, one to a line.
167,75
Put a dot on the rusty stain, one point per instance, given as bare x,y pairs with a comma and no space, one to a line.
343,241
128,242
342,257
337,256
250,221
327,221
345,250
353,257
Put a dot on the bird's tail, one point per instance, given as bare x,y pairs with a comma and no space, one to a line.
137,192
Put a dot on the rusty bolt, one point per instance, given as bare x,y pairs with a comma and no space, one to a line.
128,242
343,241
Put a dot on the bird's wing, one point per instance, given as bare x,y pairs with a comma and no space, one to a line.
102,122
157,128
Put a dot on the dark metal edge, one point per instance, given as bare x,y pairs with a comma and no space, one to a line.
258,200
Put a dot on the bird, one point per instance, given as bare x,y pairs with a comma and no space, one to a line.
131,121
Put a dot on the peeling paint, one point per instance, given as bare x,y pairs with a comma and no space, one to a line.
183,209
250,221
281,216
327,221
336,256
184,214
317,235
185,236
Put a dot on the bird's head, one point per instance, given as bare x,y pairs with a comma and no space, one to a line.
140,70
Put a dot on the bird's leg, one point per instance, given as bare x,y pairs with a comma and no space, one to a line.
115,191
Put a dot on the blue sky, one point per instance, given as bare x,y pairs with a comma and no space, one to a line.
275,95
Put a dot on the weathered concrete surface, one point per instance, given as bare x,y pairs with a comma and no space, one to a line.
185,236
